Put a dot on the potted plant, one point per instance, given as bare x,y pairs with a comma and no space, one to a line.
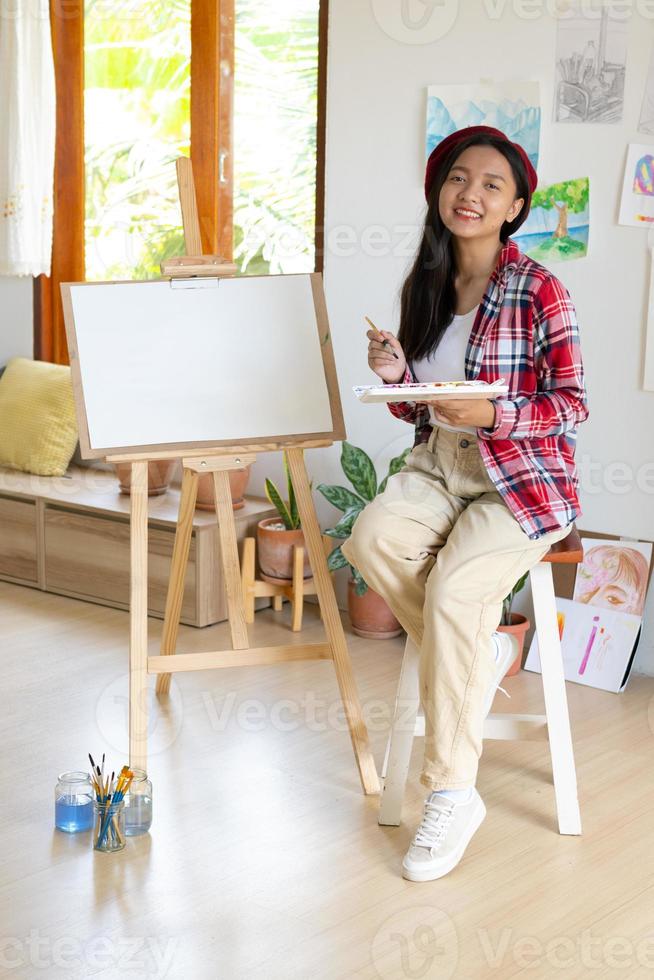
277,536
514,623
238,481
369,612
160,472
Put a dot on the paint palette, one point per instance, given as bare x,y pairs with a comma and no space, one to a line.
422,391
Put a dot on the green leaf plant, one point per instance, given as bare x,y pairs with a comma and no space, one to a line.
287,509
359,470
508,602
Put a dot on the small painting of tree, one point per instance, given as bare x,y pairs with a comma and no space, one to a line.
553,209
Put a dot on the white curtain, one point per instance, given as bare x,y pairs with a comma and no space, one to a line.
27,137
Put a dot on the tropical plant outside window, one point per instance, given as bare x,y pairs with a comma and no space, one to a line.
137,122
275,111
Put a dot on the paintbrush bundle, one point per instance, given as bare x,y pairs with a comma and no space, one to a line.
109,831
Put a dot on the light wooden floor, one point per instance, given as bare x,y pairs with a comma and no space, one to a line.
266,861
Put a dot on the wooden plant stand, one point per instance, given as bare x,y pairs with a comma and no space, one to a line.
294,588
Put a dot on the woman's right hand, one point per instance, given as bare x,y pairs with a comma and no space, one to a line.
390,369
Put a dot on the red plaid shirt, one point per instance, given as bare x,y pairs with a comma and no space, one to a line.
526,332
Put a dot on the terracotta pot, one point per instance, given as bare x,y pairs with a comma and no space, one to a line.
160,472
275,549
238,481
518,628
370,614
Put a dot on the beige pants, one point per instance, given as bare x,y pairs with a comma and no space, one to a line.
441,546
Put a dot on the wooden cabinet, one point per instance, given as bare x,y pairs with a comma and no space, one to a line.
71,536
88,556
18,549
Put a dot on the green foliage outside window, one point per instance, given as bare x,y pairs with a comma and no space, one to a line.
137,122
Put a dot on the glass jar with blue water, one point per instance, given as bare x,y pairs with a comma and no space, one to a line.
138,804
73,802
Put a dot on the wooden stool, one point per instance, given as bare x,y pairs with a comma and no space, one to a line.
554,725
279,589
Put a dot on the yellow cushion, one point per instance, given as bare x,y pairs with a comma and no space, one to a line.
38,428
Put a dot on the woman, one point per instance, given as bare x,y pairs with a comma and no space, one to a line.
490,484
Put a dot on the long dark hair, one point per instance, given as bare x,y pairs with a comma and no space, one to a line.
428,297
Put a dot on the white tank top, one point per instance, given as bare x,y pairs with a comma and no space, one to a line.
447,363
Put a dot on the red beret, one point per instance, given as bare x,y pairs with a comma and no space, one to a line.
441,151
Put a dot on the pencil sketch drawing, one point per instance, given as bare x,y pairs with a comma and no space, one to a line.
646,120
591,55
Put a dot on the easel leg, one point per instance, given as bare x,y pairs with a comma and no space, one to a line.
138,617
298,588
229,551
332,620
247,579
175,594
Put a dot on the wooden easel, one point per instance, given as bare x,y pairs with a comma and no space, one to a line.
218,462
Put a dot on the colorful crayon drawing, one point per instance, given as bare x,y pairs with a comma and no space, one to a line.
637,200
589,645
643,177
597,645
613,575
603,645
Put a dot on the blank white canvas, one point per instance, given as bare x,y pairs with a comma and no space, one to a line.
235,360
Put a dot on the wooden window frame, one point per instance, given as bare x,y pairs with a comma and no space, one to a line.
212,99
67,26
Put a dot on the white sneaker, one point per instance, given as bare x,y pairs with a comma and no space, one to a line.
442,837
508,651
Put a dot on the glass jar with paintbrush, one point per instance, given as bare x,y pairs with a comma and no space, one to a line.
109,810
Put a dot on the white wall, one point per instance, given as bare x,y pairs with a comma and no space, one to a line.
375,164
16,330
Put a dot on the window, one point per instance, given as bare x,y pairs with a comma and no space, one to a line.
242,82
275,124
137,97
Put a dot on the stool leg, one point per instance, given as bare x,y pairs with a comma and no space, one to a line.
400,741
556,704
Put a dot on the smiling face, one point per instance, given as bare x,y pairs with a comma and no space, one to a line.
479,194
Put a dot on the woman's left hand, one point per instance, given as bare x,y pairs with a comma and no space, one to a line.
479,412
